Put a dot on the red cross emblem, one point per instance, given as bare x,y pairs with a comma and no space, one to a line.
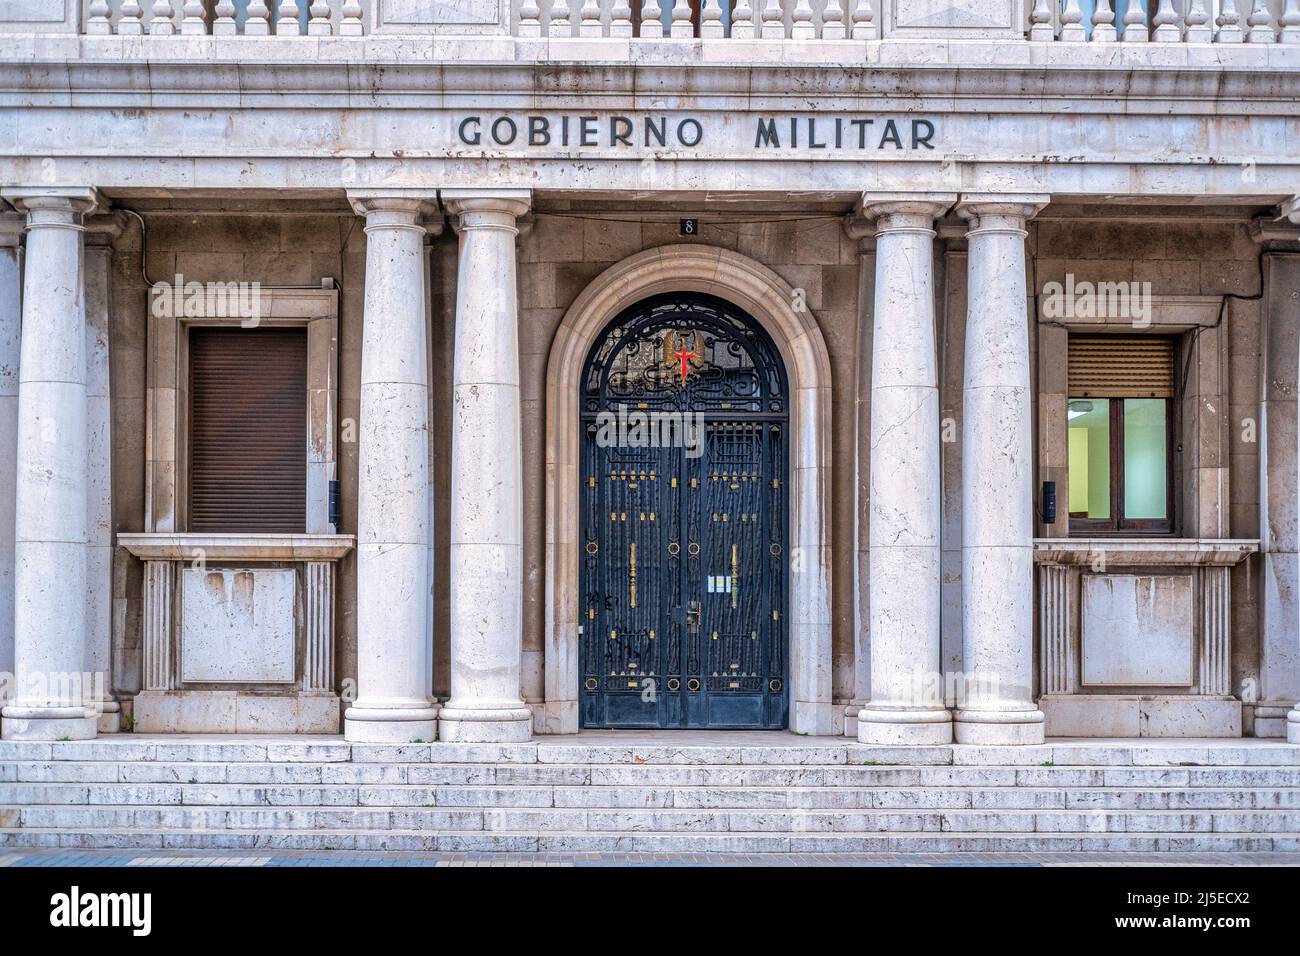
684,355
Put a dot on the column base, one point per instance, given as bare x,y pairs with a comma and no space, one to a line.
1293,727
469,726
997,728
904,728
55,723
390,725
109,717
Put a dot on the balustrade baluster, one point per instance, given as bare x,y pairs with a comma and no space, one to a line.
1103,23
193,23
801,25
258,21
1040,22
681,22
1135,23
589,19
742,21
1072,30
1229,23
530,19
833,21
773,20
652,23
319,24
99,23
561,19
1290,22
225,24
620,19
1166,21
711,19
163,23
1260,22
864,21
288,24
352,14
1198,23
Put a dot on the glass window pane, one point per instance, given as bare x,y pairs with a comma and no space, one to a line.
1089,420
1145,458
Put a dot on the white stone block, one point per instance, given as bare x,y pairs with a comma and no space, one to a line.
1138,630
238,625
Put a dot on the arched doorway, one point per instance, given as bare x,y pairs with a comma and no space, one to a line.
683,570
763,295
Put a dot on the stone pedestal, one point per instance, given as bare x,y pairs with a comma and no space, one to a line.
51,685
486,560
906,705
394,644
995,700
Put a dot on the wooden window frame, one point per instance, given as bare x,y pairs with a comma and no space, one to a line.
1117,524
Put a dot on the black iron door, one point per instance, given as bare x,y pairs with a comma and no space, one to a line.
683,563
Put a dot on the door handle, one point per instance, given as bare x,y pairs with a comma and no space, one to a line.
693,617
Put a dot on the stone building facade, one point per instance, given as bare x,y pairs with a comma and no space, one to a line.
1000,299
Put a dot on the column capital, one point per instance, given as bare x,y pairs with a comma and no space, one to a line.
105,229
1290,209
899,210
54,205
396,206
1008,210
516,201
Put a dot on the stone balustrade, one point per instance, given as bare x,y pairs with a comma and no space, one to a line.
1057,21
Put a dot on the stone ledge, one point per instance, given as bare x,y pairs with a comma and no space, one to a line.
1144,552
901,53
238,547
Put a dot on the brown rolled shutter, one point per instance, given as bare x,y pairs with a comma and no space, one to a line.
1121,366
248,430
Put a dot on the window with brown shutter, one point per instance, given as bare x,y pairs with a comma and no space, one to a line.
248,430
1120,414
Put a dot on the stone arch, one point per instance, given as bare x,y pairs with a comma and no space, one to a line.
771,301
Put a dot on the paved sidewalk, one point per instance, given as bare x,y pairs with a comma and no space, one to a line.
254,858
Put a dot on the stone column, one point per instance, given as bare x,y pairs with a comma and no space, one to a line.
50,511
1280,486
100,233
995,700
486,561
906,705
394,643
11,230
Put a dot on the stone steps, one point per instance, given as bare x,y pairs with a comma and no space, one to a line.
651,842
641,797
98,817
824,796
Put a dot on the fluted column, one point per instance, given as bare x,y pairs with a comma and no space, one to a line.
394,645
486,560
996,704
906,705
50,511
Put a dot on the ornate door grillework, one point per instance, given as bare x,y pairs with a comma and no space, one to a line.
683,563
